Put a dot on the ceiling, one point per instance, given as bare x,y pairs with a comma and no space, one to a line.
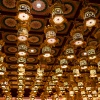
8,33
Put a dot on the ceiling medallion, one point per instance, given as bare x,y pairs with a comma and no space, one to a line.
13,66
13,59
28,73
32,50
12,49
14,73
31,60
34,39
29,67
91,52
36,24
10,4
14,78
39,5
11,37
10,22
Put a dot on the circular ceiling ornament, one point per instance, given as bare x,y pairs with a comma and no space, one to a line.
10,22
32,50
39,5
14,82
10,4
34,39
83,53
27,83
28,73
13,66
29,67
30,60
11,38
14,78
69,8
14,86
14,72
13,59
36,24
12,49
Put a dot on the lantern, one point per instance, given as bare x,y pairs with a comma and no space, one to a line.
21,77
59,72
93,71
63,63
71,92
80,84
24,8
77,35
20,87
76,71
40,72
54,78
21,60
66,84
50,32
57,14
75,89
39,78
46,51
22,49
49,89
91,52
22,34
3,68
89,15
85,98
21,71
83,92
32,98
69,52
83,63
21,82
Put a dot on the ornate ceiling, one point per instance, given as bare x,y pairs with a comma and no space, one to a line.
41,15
